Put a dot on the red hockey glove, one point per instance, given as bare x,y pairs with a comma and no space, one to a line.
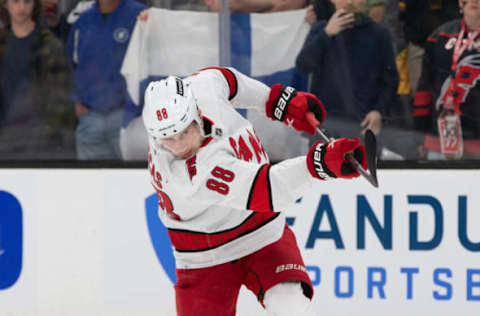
288,105
327,160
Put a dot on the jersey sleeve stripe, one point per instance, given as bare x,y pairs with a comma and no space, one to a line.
260,196
191,241
231,79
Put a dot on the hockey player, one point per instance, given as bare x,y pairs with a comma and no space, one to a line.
220,198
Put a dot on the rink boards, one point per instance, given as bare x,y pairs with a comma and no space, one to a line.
88,242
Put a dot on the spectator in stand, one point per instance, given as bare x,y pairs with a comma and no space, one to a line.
446,105
60,15
381,11
96,47
421,18
397,118
35,111
356,77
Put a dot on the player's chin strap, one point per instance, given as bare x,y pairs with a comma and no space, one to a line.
370,148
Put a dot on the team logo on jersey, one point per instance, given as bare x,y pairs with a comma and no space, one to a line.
121,34
466,77
159,237
243,151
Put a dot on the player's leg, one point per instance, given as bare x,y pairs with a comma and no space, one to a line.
286,299
208,291
277,275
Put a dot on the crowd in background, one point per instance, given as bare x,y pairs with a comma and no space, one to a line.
378,64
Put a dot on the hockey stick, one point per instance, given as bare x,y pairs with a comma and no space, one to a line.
370,149
371,152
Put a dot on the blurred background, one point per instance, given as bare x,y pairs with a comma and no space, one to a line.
72,72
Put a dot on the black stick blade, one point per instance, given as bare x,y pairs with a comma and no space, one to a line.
371,152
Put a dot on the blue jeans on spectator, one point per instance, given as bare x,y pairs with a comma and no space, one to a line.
97,135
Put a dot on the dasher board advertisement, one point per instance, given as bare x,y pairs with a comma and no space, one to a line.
89,242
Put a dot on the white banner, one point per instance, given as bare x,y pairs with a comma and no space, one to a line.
183,42
88,242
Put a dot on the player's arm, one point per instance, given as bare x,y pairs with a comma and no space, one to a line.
325,161
237,183
238,89
281,103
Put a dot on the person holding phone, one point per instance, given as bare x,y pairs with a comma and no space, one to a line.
354,53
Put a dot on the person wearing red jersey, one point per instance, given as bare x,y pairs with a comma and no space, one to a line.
446,106
220,198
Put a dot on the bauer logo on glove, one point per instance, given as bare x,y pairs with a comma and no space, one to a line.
328,160
290,106
280,109
317,161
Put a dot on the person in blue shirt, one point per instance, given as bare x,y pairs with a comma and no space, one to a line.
353,66
96,47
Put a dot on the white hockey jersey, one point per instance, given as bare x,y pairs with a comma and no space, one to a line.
226,201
